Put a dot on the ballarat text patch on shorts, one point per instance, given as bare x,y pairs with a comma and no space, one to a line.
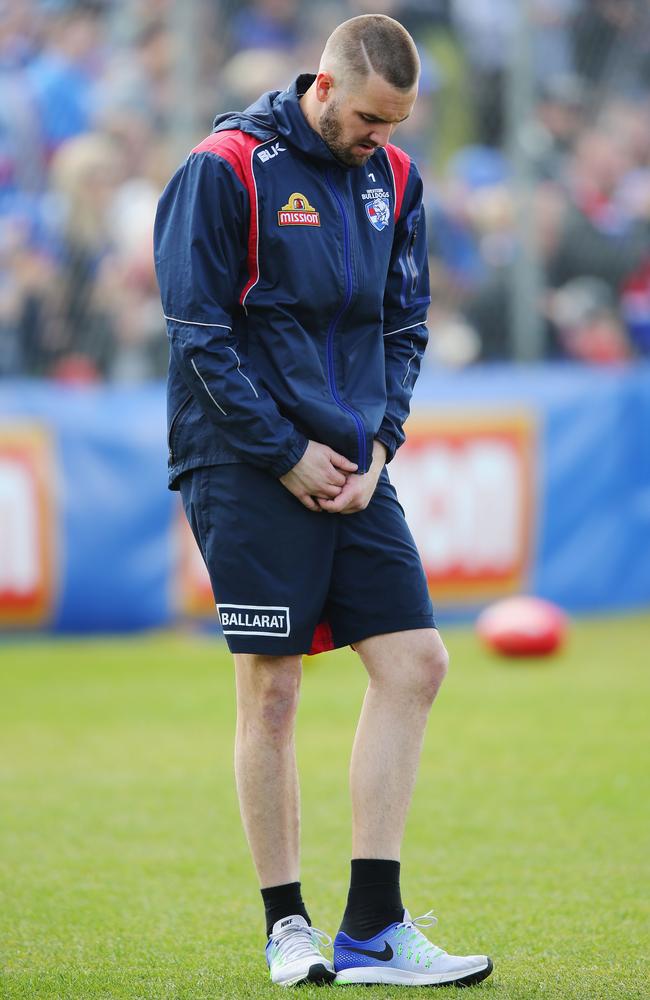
253,619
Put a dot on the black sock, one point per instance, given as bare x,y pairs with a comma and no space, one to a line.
283,901
374,899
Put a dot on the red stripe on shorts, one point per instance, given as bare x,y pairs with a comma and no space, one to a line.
322,639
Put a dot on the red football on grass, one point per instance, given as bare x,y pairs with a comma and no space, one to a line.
522,626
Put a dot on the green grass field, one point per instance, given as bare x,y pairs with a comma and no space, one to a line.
125,875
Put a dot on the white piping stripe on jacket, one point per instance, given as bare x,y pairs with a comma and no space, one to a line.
228,348
191,322
412,358
402,328
255,150
207,390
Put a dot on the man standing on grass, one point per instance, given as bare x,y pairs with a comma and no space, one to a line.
291,256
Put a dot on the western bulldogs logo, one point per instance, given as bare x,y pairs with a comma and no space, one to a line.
378,211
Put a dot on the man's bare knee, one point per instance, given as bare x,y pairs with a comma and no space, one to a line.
268,690
410,663
434,666
423,667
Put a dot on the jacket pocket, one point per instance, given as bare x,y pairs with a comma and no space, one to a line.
172,425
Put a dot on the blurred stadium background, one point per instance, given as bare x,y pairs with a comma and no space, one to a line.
527,467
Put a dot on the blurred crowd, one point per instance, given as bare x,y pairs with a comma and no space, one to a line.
94,118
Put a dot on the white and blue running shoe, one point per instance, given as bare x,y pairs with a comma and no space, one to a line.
403,956
294,956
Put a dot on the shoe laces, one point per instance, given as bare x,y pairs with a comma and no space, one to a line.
300,942
427,919
413,936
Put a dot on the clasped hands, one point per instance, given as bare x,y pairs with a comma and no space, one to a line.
323,480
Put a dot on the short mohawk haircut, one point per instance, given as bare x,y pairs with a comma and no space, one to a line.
375,43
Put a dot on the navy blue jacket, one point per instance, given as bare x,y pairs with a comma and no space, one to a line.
295,291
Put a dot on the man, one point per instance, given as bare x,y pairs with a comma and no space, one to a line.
291,256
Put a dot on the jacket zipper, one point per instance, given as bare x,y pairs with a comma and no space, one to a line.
410,258
171,426
332,327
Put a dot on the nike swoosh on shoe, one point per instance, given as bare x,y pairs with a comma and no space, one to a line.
381,956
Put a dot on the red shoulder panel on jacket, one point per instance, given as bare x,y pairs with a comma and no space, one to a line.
400,163
234,147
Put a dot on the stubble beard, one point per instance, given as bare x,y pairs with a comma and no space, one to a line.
330,130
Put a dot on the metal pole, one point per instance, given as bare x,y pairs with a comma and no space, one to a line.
526,282
184,22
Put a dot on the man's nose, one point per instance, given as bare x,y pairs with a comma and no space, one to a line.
381,134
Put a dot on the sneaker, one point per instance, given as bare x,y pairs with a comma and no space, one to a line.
402,955
294,956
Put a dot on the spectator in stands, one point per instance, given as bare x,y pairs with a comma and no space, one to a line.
20,169
27,281
476,183
551,21
599,238
266,24
486,29
605,35
561,116
85,173
76,277
140,79
591,247
588,323
63,77
127,284
247,73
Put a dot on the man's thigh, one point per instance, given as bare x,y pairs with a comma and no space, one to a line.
378,581
417,655
268,557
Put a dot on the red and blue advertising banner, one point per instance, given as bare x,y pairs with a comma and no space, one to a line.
514,480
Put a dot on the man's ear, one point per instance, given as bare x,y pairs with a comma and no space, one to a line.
324,84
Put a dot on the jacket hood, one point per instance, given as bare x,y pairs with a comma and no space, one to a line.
278,113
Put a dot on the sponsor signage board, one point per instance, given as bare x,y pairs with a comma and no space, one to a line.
27,526
467,484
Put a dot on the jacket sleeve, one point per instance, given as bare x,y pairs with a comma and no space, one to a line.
406,301
200,250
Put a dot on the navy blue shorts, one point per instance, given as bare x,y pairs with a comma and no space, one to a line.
288,580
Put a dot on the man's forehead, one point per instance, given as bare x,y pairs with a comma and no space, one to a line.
378,99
